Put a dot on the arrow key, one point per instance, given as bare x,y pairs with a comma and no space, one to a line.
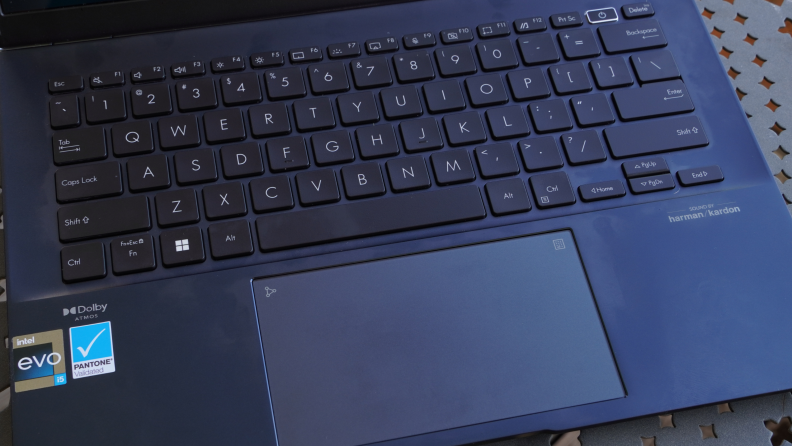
652,184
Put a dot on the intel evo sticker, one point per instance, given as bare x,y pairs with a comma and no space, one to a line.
39,360
91,350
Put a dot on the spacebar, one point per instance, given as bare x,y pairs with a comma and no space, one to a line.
371,217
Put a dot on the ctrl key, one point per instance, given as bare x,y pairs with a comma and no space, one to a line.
133,254
83,262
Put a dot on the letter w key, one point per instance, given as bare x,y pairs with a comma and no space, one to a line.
178,132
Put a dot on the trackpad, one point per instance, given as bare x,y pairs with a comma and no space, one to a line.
404,346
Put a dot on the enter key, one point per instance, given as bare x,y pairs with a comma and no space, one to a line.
653,100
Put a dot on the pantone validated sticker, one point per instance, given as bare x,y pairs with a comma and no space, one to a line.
91,350
39,360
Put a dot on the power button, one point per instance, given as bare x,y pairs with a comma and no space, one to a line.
602,15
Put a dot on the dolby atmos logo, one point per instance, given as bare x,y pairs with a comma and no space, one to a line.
83,312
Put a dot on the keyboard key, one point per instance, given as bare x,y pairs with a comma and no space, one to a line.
408,174
328,78
570,78
508,197
540,154
132,138
341,50
228,63
314,114
65,84
105,106
133,254
107,79
64,111
456,35
230,239
420,135
182,246
240,88
363,180
195,166
370,217
266,59
178,131
269,120
284,83
317,187
271,194
455,61
592,109
566,20
452,167
530,25
486,90
357,108
177,207
602,15
102,218
602,191
150,73
611,72
644,167
497,160
332,148
241,160
655,66
464,128
496,55
579,43
507,122
196,94
83,262
494,29
151,100
443,96
88,181
285,154
78,145
632,36
413,67
552,190
583,147
656,136
652,184
381,45
550,116
538,49
148,173
528,84
419,40
371,72
224,126
401,102
376,141
185,69
700,175
635,10
653,100
224,201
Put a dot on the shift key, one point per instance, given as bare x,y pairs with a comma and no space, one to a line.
103,218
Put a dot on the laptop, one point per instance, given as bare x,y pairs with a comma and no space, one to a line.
399,223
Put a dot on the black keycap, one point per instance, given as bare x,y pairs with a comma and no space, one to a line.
508,197
540,154
224,200
357,108
635,10
64,111
413,67
230,239
443,96
151,100
306,54
228,63
83,262
370,217
65,84
147,74
224,125
602,15
363,180
266,59
78,145
102,218
88,181
552,190
550,116
656,136
494,29
148,173
177,207
184,69
644,167
530,25
583,147
653,100
195,166
566,20
371,72
652,184
570,78
240,88
602,191
132,138
592,109
632,36
452,167
655,66
286,154
420,135
382,45
105,106
486,90
317,187
401,102
107,79
700,175
456,35
419,40
284,83
328,78
528,84
464,128
538,49
497,160
408,174
271,194
332,148
196,94
341,50
178,131
611,72
269,120
133,254
455,61
241,160
578,43
376,141
182,246
496,55
507,122
314,114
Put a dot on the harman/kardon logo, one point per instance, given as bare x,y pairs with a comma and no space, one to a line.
80,309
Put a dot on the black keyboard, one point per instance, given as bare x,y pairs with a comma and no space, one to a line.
289,149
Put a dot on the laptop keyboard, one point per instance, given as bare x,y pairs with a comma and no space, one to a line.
332,143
